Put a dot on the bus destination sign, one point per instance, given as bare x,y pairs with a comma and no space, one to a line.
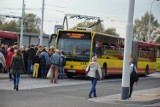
75,35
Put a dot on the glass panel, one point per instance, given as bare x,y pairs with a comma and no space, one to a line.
75,49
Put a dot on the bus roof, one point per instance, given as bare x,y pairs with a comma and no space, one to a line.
144,44
98,33
7,34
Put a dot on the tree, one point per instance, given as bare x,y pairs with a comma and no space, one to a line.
111,31
1,20
97,28
9,26
141,26
31,24
156,35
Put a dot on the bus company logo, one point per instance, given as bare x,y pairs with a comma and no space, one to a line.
71,66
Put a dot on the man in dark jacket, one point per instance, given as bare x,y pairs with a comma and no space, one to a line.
30,54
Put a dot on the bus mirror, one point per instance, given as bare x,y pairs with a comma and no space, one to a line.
51,37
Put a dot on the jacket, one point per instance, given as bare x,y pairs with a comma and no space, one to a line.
30,53
44,53
92,67
2,60
9,59
17,65
55,59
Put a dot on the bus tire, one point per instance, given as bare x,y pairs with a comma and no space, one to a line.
146,71
69,75
104,71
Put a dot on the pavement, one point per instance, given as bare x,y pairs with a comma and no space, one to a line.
148,97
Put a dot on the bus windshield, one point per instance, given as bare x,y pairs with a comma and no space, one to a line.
75,49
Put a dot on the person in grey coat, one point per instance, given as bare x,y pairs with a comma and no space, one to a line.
91,73
2,62
17,68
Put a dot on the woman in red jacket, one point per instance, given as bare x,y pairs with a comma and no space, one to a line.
8,61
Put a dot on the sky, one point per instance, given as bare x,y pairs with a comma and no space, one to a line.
114,13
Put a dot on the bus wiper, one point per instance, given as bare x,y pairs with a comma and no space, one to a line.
77,59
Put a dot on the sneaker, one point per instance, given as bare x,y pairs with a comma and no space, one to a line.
17,88
14,87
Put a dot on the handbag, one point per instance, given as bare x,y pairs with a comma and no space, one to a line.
49,73
97,75
88,70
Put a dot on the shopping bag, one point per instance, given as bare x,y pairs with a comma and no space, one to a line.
49,73
97,75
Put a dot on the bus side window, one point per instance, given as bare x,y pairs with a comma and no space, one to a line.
99,46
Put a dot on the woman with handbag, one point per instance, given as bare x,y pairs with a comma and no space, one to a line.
17,68
93,70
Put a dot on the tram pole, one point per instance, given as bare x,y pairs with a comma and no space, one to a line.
127,52
22,19
41,31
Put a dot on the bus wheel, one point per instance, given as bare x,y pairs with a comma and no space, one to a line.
146,71
104,71
69,75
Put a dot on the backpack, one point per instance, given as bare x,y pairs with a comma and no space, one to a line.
134,76
63,63
17,64
43,60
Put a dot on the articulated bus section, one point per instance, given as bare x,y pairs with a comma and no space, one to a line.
79,46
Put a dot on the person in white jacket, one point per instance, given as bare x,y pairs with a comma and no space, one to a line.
2,62
91,73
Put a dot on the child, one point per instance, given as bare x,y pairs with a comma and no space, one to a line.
36,61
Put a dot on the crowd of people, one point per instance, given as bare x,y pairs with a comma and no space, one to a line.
34,60
37,60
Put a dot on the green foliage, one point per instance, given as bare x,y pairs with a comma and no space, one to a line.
9,26
141,26
31,24
97,28
1,20
111,31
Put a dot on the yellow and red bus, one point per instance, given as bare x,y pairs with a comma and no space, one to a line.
158,57
79,46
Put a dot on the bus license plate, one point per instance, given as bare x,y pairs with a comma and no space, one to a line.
71,71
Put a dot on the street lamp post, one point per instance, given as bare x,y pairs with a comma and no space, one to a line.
149,24
41,31
22,27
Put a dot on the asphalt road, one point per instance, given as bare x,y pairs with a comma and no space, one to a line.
67,93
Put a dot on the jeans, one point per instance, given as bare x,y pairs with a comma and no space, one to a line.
54,73
35,70
61,73
93,88
29,69
16,78
131,88
43,70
